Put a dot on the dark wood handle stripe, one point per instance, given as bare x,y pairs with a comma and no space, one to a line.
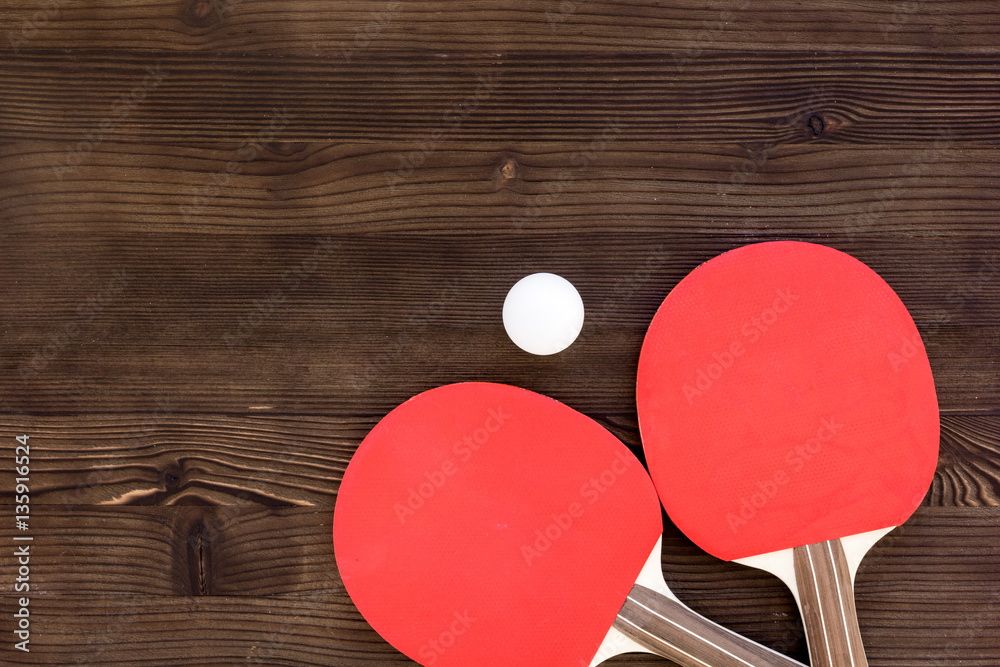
671,630
826,594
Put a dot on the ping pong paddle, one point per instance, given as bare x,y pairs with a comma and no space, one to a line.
482,524
789,420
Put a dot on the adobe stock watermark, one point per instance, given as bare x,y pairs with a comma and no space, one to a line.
28,29
364,34
223,7
565,10
902,12
752,331
796,459
245,153
291,280
91,650
417,325
578,160
961,640
121,109
624,288
905,352
869,216
562,522
452,120
86,653
956,299
756,158
270,649
86,312
747,167
700,41
432,650
706,37
463,450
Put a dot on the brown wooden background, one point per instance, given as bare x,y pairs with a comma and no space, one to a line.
235,233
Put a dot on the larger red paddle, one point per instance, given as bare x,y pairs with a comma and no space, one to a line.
480,524
789,420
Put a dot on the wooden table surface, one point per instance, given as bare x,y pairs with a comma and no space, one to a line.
235,233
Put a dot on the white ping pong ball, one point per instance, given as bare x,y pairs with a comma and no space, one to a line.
543,313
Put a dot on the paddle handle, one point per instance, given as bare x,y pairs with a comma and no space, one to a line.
671,630
826,598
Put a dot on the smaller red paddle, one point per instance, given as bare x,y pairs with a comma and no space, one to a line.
789,420
480,524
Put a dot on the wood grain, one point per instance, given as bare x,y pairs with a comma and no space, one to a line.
870,97
213,460
345,28
181,550
274,586
493,188
170,459
306,324
216,630
304,213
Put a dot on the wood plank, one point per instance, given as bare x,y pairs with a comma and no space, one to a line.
164,632
797,97
927,592
179,550
306,324
174,459
346,28
165,458
496,188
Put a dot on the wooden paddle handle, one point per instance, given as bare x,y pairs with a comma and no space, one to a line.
671,630
826,596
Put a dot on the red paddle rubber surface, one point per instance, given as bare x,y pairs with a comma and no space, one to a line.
482,524
785,398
